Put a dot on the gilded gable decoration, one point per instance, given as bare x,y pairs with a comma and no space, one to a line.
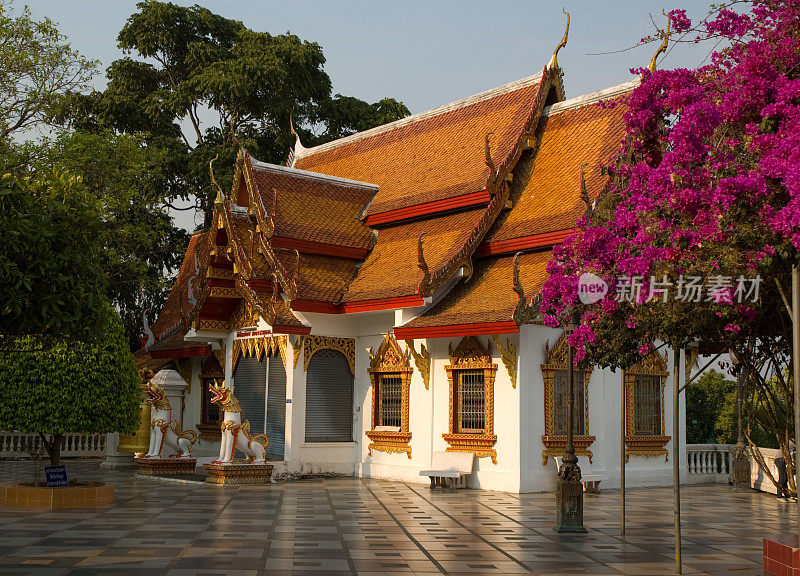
508,354
471,357
422,360
556,359
259,347
651,444
346,346
389,364
470,353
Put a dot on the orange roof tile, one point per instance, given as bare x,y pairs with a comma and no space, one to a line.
547,190
178,306
489,295
391,268
433,155
322,278
314,208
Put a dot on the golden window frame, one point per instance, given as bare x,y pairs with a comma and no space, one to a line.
471,355
556,358
390,359
652,445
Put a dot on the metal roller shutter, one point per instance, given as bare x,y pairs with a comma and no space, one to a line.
276,408
329,398
250,388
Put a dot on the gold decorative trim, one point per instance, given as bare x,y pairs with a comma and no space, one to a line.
313,344
526,311
213,325
297,348
556,358
390,359
640,445
259,347
470,355
508,354
224,292
243,315
422,360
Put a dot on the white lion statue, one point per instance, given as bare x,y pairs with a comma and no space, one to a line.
235,433
165,430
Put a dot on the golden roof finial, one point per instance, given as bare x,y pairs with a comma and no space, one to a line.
553,61
664,42
220,195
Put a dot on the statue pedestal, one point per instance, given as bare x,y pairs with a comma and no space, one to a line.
165,466
238,473
569,498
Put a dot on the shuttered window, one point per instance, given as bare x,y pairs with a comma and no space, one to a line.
561,400
647,405
329,398
390,393
276,408
250,388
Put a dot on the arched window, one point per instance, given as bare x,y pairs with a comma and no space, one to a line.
276,407
644,407
250,388
329,397
556,379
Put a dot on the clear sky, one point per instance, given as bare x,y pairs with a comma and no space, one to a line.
425,53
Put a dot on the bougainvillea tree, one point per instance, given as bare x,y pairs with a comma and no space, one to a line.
701,215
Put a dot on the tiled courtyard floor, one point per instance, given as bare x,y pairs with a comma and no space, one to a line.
349,526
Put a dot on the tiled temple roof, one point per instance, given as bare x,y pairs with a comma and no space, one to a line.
432,156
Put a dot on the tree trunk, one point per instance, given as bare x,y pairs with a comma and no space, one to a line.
53,447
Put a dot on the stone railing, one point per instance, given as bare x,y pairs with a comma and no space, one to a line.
14,444
709,463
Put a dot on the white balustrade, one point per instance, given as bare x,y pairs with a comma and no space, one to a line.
709,462
14,445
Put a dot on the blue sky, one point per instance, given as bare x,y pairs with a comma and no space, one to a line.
424,53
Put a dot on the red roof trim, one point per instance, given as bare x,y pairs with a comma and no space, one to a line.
283,329
463,201
525,242
383,304
301,305
310,247
454,330
181,352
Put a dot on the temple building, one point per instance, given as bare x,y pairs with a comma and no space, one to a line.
373,301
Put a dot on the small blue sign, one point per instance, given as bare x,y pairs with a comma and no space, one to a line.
56,476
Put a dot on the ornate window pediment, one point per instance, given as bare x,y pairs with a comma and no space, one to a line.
554,373
470,377
644,407
390,373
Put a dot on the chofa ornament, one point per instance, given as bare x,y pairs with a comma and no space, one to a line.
164,430
235,433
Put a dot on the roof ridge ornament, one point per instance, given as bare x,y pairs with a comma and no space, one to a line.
489,161
553,64
526,311
423,265
585,193
664,35
298,149
220,198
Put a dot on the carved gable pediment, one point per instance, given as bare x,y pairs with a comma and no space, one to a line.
470,352
652,364
557,357
389,357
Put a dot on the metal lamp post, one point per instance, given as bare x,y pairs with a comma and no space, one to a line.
569,492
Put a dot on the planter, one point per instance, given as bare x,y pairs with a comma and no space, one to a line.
238,473
17,495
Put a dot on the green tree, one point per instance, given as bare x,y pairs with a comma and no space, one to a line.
71,386
707,421
37,68
140,244
231,85
52,280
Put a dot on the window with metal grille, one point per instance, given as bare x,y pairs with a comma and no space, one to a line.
647,405
561,400
390,400
471,391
